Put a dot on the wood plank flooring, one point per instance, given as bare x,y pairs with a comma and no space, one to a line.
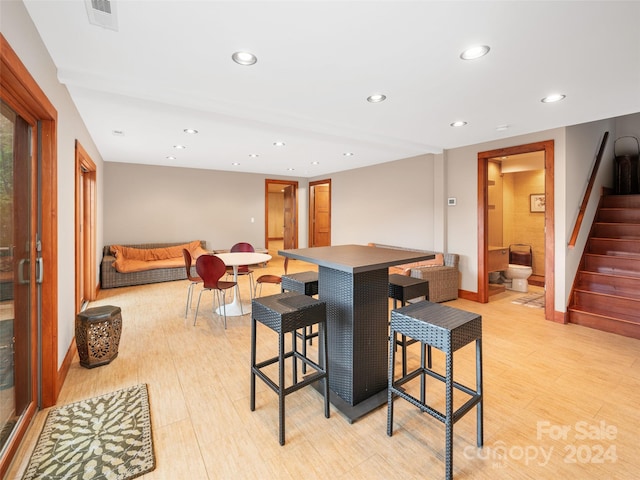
561,401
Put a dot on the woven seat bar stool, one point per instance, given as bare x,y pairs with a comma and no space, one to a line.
307,284
446,329
405,288
285,313
301,282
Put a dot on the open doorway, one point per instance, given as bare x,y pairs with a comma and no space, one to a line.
484,207
281,215
85,224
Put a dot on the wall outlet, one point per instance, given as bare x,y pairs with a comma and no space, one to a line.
451,201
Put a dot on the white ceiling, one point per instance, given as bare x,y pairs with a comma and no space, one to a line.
168,67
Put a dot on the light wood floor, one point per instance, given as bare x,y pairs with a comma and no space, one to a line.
561,401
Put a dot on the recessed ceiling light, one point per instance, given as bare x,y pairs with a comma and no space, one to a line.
235,164
290,169
459,123
254,155
556,97
179,147
244,58
475,52
278,144
315,163
170,157
348,154
190,130
376,98
502,128
117,133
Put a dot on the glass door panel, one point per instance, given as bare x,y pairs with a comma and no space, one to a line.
17,268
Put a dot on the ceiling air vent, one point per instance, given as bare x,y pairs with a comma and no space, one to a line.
102,13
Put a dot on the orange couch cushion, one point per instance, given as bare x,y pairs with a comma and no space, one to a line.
127,265
130,259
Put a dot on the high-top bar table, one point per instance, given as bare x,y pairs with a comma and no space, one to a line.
353,280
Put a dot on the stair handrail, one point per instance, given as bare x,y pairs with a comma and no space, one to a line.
587,193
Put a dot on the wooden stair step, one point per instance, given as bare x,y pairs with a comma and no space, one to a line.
606,304
613,265
620,201
610,284
606,292
616,230
619,215
613,246
579,316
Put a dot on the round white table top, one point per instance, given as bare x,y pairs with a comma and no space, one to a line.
243,258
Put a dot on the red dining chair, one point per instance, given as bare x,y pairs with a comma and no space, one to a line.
268,278
193,279
243,269
211,269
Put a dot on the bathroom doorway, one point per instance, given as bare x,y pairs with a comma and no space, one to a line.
281,215
506,177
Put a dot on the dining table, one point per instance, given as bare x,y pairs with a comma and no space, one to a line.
234,259
353,280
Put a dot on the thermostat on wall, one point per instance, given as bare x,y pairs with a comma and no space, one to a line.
451,201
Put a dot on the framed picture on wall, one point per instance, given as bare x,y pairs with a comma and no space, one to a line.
537,202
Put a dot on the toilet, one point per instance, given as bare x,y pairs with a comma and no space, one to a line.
520,268
517,276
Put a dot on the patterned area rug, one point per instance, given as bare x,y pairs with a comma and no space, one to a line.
535,300
102,438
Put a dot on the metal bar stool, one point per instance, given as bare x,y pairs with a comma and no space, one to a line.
307,284
447,329
285,313
405,288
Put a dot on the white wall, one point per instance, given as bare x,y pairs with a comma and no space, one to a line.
149,204
19,31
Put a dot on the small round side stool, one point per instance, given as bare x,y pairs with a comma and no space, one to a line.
98,333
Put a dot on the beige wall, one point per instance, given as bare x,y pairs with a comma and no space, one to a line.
495,201
147,203
392,203
520,224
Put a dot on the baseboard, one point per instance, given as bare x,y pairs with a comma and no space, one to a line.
467,295
66,365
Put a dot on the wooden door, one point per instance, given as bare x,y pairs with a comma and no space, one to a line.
320,213
21,93
289,218
86,200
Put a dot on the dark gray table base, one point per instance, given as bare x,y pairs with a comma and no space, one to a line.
357,326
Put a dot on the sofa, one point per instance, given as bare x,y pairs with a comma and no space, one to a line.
139,264
442,273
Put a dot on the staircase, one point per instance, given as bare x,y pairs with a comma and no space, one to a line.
606,293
